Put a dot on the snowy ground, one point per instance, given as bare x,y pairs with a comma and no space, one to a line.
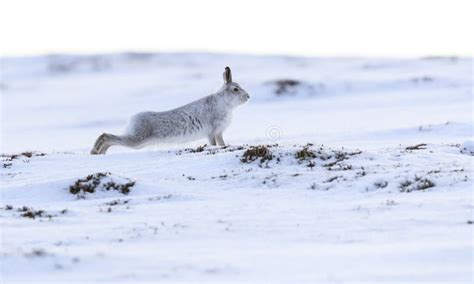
363,202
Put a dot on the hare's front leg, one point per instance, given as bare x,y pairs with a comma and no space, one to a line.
219,139
212,140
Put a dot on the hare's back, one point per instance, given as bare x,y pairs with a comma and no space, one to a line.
157,124
142,124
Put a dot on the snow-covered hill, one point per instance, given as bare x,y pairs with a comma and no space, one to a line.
364,172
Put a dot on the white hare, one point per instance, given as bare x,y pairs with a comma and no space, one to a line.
205,118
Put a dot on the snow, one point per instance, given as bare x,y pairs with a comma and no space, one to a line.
467,147
386,197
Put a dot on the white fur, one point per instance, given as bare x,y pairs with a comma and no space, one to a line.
207,117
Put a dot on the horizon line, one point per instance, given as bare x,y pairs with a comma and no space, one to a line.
243,53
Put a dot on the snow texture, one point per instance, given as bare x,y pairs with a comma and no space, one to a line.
364,172
467,147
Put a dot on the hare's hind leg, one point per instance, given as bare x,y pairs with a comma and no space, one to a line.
102,142
105,141
98,144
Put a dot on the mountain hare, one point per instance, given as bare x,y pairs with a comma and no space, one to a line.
206,117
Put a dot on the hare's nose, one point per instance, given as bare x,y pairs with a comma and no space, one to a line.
248,97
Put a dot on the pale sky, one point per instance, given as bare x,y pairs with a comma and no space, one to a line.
299,27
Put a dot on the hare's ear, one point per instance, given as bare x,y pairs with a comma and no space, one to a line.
227,75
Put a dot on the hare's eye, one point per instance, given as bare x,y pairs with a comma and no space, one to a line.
236,89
